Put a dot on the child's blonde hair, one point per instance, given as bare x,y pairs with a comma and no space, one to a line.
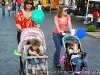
72,44
35,42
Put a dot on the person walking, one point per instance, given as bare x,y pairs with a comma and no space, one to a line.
24,20
62,22
95,16
19,4
3,7
13,4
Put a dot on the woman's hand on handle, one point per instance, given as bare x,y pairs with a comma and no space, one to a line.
37,25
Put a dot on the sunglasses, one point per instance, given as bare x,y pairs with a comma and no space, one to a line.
65,10
29,3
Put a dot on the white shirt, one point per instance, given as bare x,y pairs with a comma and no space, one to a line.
73,56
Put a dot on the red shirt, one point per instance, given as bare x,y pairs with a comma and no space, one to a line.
23,21
18,1
95,14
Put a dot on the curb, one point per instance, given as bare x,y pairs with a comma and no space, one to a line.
94,34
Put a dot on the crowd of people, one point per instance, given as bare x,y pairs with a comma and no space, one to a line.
11,6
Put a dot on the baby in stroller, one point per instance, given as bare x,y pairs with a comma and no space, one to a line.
76,57
33,46
35,51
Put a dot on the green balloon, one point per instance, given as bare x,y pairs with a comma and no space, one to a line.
38,16
17,53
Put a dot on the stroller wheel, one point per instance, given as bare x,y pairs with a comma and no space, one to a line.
76,74
21,72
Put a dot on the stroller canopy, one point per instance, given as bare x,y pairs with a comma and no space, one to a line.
68,38
25,37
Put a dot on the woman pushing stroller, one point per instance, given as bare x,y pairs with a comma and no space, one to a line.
76,58
62,22
24,20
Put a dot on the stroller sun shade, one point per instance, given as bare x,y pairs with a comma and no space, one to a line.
68,38
29,33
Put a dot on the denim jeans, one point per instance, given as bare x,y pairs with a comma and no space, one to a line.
78,61
9,12
19,6
58,44
13,7
3,10
95,21
84,61
34,63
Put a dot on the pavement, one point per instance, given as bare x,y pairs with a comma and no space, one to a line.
94,34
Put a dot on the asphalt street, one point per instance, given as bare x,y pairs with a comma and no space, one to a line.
9,63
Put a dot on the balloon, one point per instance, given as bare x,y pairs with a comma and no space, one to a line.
38,16
81,32
17,53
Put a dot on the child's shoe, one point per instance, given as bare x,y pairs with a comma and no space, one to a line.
44,73
87,70
77,71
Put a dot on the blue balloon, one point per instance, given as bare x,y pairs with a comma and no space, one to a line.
81,33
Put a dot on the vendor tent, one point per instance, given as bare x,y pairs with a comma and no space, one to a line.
55,3
44,2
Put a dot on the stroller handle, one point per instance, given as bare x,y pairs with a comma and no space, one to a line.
64,33
31,57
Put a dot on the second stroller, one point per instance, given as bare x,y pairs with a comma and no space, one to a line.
74,57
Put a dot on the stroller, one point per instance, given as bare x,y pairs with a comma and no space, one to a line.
69,66
23,46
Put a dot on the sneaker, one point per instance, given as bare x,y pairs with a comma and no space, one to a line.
58,66
86,70
77,71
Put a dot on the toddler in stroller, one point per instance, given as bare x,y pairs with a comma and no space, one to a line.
35,51
74,57
33,39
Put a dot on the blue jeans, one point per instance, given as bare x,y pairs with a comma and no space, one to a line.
58,44
19,6
3,10
95,21
84,61
9,12
13,7
78,61
34,63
